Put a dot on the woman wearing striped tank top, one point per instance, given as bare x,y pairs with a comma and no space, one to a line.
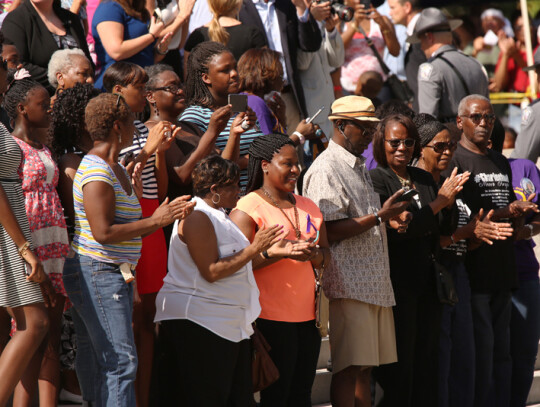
107,242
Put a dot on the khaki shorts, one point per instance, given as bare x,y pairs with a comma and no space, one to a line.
361,334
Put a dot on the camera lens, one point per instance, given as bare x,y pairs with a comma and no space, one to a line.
345,13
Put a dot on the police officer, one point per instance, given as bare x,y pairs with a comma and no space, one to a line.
449,75
528,142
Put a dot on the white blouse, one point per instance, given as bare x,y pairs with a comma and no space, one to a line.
226,307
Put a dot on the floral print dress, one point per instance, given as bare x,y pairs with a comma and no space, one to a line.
39,175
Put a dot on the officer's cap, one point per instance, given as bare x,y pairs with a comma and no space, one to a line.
432,20
353,108
536,61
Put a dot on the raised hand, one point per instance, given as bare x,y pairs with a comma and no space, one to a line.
486,230
136,180
391,208
266,238
244,121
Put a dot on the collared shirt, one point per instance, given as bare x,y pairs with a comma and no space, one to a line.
268,15
339,183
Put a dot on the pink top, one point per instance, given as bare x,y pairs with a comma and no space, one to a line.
359,58
287,287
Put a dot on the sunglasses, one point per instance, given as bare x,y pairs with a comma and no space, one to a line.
4,64
442,146
476,118
395,143
171,89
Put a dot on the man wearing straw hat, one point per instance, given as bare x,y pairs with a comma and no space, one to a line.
449,75
357,282
528,142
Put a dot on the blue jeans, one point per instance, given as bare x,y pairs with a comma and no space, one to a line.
106,361
456,345
491,319
524,337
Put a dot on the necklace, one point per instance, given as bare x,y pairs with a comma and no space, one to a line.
405,182
295,227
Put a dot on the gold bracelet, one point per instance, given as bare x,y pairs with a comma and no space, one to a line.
24,248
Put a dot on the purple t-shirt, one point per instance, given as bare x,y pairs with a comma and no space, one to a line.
525,181
267,121
368,155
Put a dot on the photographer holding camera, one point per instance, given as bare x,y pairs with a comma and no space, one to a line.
359,58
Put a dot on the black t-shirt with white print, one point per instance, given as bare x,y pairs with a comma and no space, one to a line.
490,267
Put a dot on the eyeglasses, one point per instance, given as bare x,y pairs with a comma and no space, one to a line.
395,143
367,131
442,146
171,88
476,118
4,64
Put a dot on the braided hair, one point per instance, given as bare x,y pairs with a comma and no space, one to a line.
17,92
197,92
263,149
67,117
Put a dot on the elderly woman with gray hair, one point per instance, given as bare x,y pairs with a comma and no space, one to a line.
68,67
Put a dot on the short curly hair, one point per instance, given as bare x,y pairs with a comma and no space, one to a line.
257,68
67,117
379,151
214,170
101,113
61,61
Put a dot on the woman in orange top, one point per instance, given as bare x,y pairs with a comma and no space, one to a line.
284,273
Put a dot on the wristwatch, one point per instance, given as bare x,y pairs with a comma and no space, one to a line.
378,219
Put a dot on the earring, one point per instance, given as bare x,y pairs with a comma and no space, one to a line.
156,111
218,198
119,138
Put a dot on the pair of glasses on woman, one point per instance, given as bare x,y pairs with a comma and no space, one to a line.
395,143
442,146
171,89
477,118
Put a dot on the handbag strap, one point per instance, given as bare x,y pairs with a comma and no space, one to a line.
451,65
384,67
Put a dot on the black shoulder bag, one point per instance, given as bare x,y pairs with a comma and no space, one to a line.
399,89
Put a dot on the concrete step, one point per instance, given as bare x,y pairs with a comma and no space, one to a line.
534,393
320,392
324,354
537,364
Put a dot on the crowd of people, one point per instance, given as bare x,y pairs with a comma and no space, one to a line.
180,177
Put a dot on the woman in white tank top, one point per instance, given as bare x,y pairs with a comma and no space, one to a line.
209,297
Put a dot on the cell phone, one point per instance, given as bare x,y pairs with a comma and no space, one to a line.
27,269
310,119
407,195
238,102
